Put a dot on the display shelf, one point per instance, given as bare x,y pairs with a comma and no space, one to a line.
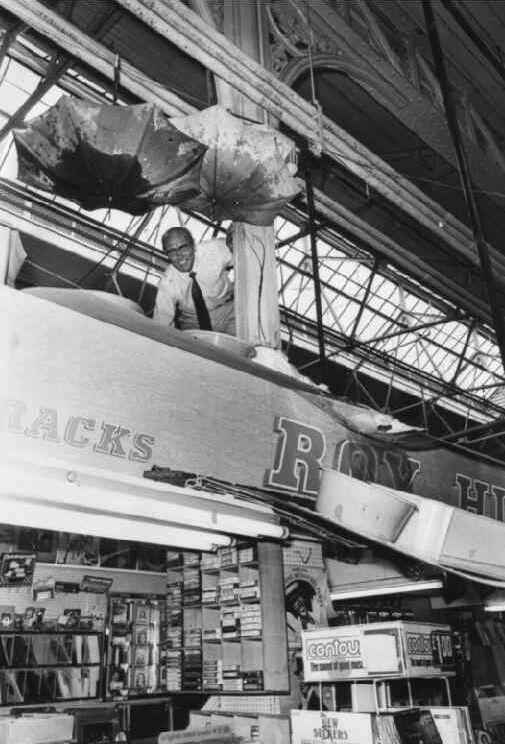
133,655
39,666
221,578
379,668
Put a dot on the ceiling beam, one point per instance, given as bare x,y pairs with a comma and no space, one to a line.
57,67
94,54
400,256
184,28
10,34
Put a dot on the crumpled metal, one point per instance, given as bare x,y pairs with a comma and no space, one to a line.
248,169
135,158
126,157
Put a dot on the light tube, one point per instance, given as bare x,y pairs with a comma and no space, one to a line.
419,586
28,512
495,602
134,496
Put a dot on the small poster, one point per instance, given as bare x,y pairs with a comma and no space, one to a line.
315,727
141,656
16,569
140,680
305,603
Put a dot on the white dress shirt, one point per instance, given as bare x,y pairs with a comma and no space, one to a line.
213,260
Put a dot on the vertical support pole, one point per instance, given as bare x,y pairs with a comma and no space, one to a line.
256,296
257,316
311,211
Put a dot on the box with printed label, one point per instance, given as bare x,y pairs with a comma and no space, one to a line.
315,727
388,649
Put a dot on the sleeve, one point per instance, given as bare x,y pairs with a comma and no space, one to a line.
225,255
166,302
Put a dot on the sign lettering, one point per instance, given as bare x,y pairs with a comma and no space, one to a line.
331,648
480,497
298,457
77,431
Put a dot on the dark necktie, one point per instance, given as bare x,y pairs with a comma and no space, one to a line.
202,312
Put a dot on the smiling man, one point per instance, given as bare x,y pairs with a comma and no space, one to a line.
196,290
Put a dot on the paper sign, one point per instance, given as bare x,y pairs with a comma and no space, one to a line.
314,727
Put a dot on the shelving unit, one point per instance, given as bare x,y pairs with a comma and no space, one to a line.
223,620
133,647
49,666
374,658
388,679
219,629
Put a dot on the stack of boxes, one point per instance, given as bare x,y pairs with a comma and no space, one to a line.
232,679
229,588
212,674
250,621
171,634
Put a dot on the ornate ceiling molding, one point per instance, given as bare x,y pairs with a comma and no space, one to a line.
181,26
345,35
367,79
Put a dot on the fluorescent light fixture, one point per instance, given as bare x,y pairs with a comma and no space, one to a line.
103,494
44,514
496,601
418,586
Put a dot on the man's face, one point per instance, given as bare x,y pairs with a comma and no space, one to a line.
180,249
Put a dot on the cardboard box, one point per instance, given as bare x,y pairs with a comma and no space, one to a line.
313,727
389,649
37,729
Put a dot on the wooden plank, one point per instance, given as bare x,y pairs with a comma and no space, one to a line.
275,640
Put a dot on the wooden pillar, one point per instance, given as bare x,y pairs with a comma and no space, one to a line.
256,298
256,291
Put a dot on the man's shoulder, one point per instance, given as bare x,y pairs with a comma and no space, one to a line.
214,247
211,244
172,276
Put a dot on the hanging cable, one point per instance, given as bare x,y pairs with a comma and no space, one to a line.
311,211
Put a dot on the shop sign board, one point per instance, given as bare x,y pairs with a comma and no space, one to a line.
315,727
103,395
375,650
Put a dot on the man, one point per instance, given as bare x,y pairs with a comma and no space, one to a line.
196,290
